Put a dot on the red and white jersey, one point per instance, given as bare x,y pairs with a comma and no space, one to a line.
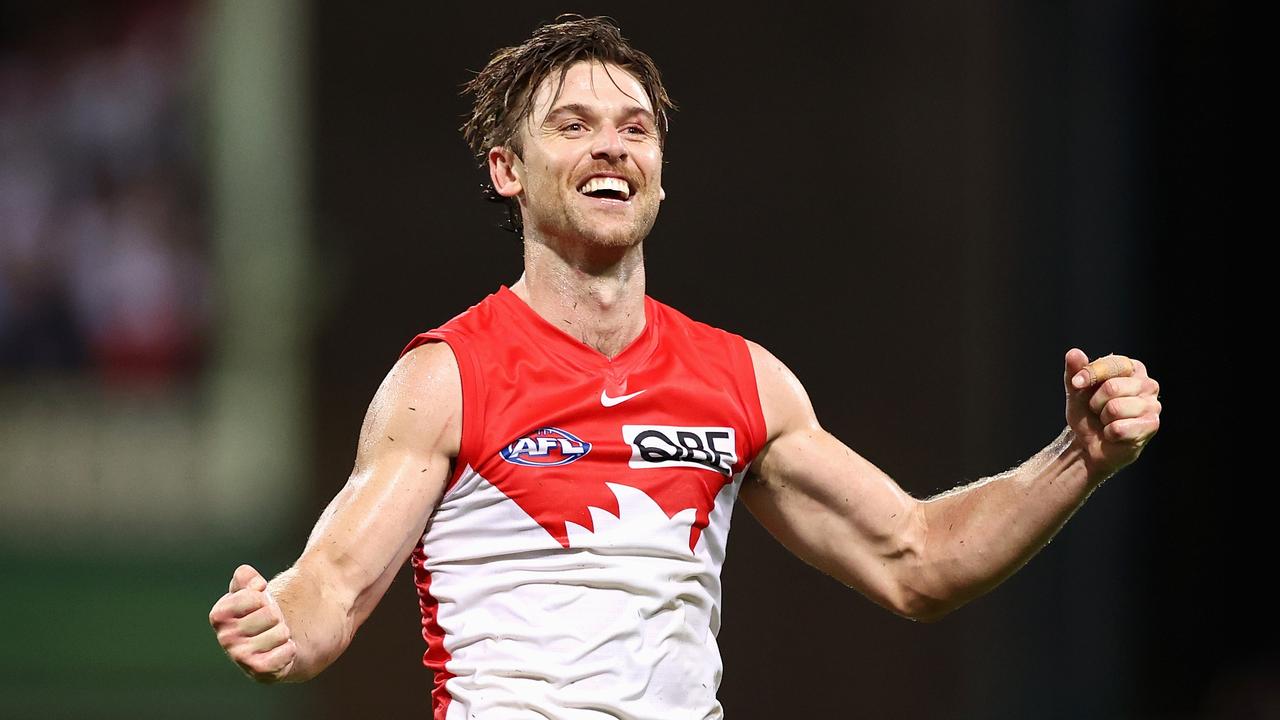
572,569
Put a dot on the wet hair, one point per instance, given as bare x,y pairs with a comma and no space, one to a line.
504,89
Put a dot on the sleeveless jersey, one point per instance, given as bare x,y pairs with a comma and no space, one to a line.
572,568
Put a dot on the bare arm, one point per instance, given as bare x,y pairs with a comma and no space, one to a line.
302,620
922,559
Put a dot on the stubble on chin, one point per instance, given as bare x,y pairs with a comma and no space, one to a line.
574,223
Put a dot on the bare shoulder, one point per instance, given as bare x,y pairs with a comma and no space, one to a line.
409,439
418,406
783,399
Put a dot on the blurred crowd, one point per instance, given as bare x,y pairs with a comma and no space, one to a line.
104,259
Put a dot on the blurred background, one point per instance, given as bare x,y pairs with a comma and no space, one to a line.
221,221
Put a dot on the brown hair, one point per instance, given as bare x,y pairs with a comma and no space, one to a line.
504,89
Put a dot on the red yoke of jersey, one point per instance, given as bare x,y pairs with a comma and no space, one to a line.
548,420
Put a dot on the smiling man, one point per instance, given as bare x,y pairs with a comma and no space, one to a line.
560,462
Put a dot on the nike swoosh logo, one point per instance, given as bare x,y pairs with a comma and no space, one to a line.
607,401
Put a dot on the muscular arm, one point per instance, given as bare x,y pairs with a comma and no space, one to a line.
410,435
920,559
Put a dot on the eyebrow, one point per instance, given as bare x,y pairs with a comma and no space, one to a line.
587,111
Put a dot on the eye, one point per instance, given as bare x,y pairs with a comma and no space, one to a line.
574,126
638,131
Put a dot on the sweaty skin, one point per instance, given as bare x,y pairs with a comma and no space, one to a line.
923,559
584,272
584,256
363,537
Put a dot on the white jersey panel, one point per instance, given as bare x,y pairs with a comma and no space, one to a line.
619,625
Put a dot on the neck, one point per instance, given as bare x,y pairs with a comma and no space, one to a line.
594,294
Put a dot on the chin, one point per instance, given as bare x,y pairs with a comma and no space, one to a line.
602,232
612,234
621,238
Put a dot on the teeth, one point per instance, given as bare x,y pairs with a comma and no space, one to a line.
606,183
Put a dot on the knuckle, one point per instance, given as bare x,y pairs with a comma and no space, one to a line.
1130,432
225,634
261,618
1098,402
1117,431
240,653
270,623
1117,408
218,618
227,639
271,639
266,667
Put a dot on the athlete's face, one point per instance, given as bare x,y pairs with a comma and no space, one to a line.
591,169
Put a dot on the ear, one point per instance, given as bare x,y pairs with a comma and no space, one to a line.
506,171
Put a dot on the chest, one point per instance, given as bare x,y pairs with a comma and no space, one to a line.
559,441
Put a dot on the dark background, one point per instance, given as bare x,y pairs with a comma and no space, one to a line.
919,208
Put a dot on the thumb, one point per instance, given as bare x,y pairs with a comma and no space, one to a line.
247,577
1072,377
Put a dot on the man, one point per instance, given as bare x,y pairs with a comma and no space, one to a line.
560,461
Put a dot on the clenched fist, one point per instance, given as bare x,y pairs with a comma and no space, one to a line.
251,628
1112,407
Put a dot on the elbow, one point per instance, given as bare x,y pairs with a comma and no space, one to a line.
930,611
918,593
922,607
906,592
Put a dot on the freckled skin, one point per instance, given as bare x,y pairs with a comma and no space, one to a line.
929,557
362,538
584,271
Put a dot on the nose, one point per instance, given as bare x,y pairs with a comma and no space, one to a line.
608,144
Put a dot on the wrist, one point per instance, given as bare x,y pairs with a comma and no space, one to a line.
1087,450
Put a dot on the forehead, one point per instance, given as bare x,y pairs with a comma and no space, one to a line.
606,86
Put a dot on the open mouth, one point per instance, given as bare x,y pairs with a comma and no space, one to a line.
607,188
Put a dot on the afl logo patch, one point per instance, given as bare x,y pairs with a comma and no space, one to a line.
546,447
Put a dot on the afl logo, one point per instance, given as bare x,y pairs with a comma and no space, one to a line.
546,447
